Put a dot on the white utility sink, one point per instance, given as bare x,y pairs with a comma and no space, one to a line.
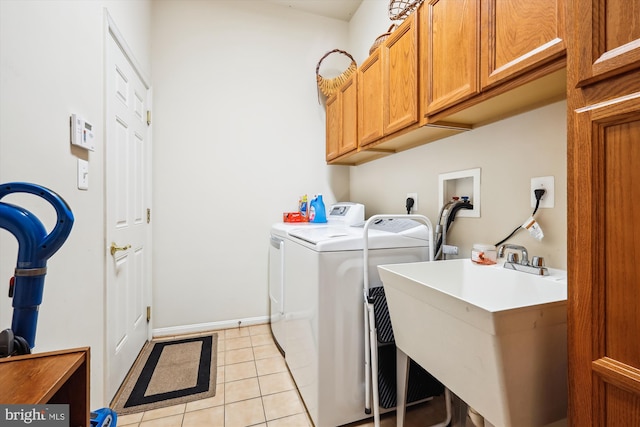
495,337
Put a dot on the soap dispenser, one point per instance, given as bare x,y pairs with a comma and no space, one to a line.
317,211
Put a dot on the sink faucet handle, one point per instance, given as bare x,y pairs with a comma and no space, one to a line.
537,261
513,257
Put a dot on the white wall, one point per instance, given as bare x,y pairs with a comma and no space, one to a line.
238,137
370,21
509,153
51,65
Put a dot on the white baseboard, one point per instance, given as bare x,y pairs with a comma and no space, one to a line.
211,326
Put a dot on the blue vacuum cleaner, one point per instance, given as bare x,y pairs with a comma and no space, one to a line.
35,247
104,417
26,287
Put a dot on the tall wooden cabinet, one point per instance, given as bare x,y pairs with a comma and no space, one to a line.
603,96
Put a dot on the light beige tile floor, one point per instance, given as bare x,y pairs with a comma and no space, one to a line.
254,388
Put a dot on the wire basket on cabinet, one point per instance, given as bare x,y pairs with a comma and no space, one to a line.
381,38
331,86
400,9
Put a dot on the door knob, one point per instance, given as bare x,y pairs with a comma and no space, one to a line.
115,248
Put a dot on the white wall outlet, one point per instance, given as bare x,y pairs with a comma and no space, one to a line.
83,174
414,196
547,183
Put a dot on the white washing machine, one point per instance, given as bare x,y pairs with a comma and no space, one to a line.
340,215
324,324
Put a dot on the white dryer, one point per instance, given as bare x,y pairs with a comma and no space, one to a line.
325,321
340,215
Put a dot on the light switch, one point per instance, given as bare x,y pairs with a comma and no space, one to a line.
83,174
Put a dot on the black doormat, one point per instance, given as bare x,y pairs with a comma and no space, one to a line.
170,372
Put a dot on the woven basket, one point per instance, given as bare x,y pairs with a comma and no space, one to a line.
381,38
330,86
400,9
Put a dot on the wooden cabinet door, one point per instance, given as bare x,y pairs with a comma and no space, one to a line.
400,55
519,35
612,26
370,99
333,112
604,276
603,173
349,105
451,52
342,120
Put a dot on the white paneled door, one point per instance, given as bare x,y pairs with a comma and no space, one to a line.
127,231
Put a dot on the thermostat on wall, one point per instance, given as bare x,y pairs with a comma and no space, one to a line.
82,133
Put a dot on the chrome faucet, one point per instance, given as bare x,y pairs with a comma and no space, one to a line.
512,263
522,249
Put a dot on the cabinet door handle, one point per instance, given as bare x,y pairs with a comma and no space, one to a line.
115,248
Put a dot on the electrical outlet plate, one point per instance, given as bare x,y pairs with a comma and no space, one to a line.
414,196
547,183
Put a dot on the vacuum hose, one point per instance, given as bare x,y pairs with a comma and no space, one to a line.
35,247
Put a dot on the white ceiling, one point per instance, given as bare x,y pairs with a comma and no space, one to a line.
337,9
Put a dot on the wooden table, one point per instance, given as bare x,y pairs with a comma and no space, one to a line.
57,377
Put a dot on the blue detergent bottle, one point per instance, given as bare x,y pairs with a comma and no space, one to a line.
317,211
